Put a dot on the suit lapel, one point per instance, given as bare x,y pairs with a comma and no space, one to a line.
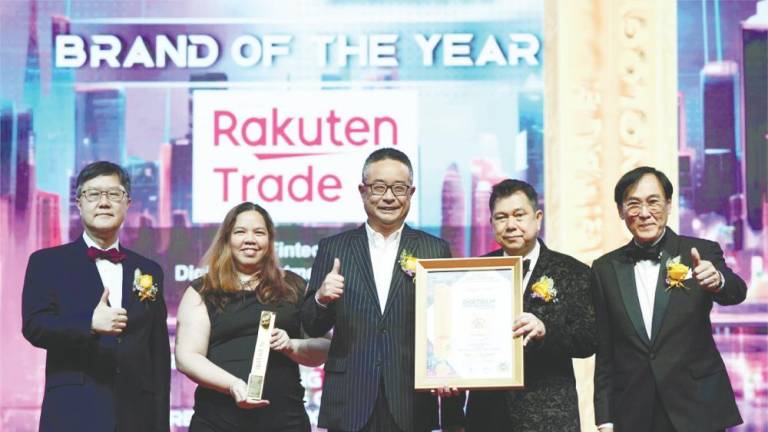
362,256
88,269
129,267
625,273
409,242
536,273
661,300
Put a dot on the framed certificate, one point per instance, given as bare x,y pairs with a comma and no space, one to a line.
465,308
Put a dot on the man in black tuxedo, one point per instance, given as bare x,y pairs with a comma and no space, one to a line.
98,310
657,367
558,323
359,288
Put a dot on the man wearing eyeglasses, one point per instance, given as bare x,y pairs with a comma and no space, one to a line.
359,288
97,309
657,367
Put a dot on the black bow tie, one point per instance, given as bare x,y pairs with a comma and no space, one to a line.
639,253
526,266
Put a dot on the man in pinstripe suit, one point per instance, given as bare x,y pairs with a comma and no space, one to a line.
358,288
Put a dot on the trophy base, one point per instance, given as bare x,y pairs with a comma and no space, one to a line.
255,387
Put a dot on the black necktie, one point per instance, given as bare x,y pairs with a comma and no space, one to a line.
526,267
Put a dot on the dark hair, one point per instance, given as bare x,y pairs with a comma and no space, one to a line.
103,168
632,177
509,187
222,277
388,153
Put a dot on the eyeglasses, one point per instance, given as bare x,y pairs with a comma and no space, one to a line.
380,188
634,208
94,195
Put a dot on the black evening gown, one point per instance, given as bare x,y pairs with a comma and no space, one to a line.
232,340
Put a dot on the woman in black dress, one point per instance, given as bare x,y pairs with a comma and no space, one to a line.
218,321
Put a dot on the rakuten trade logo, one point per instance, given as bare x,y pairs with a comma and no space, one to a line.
299,153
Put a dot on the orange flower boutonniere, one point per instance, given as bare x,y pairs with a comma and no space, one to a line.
677,273
544,289
144,286
408,263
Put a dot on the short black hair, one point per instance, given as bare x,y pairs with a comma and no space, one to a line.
632,177
391,154
509,187
103,168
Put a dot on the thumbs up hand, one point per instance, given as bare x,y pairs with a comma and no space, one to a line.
705,273
108,320
333,285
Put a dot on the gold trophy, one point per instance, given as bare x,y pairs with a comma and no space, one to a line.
260,357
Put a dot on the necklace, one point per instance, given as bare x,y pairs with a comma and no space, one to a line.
250,284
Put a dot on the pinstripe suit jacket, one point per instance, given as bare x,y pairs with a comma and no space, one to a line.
369,347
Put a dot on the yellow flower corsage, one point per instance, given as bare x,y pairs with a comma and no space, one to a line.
677,273
144,286
408,263
544,289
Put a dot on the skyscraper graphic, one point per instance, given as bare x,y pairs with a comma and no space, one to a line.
181,155
453,226
100,127
7,149
485,174
181,177
47,226
720,177
164,187
530,106
754,33
32,69
145,189
25,187
685,156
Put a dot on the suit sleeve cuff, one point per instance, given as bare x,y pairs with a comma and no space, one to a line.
317,300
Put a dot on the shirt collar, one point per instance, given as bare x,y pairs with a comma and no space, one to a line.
90,243
533,255
655,242
377,238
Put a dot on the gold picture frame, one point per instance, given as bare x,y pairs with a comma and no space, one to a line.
465,308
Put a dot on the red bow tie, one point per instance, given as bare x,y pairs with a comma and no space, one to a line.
113,254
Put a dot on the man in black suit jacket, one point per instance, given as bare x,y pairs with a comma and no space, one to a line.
97,309
558,323
359,288
658,368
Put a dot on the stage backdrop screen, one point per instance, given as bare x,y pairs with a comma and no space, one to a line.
208,104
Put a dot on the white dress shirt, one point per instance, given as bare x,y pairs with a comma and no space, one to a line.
533,257
383,257
646,276
111,273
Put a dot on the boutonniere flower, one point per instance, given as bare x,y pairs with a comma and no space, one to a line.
677,273
544,289
144,286
408,263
